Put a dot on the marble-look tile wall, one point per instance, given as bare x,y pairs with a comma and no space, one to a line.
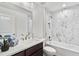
65,25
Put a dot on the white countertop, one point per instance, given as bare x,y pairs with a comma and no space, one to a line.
22,45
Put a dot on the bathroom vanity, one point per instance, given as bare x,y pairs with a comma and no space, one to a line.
31,47
36,50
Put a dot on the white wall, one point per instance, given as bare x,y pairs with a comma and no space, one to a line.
38,21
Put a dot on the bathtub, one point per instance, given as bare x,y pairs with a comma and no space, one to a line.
64,49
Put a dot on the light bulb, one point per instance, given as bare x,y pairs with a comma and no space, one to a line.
64,5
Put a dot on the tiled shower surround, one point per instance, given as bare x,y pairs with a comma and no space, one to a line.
64,25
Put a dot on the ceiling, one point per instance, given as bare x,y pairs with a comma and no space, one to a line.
53,6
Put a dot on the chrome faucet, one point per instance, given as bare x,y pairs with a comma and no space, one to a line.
50,38
22,36
27,36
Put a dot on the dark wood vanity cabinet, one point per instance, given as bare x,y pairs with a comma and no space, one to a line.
36,50
22,53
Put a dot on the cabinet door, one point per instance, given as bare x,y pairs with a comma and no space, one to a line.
22,53
38,53
34,49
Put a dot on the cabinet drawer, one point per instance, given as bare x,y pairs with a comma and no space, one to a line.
33,49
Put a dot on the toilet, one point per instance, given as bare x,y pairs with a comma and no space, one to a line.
49,51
